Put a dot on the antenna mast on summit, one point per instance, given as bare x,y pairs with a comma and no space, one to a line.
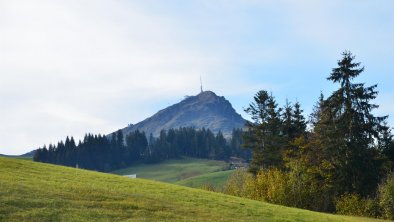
201,84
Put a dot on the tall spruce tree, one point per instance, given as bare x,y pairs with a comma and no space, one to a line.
348,130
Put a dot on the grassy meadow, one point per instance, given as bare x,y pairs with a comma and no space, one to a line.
32,191
216,179
175,170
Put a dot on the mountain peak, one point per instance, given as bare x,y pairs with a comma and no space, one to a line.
206,95
205,110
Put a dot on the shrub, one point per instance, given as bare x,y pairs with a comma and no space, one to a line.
239,184
293,189
271,186
386,197
353,204
290,188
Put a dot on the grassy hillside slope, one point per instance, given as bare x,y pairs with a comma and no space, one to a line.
174,170
33,191
216,179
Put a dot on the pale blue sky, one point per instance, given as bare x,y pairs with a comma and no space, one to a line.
70,67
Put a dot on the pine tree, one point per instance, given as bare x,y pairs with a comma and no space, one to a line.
264,134
348,130
287,119
315,116
298,121
136,146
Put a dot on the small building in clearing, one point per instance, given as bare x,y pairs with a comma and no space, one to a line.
237,163
131,176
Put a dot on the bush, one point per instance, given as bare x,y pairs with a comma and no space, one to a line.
239,184
279,187
268,185
271,186
353,204
386,197
292,188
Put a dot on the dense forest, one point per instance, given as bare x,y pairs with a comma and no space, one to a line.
342,162
107,153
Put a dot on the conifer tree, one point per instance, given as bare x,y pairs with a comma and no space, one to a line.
264,134
298,120
136,146
348,130
287,120
315,116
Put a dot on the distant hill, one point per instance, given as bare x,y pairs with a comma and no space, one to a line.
29,154
32,191
26,155
205,110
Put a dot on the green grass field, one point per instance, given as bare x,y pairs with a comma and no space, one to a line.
24,158
33,191
216,179
18,157
174,170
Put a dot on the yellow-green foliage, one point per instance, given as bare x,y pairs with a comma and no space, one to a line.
289,188
353,204
285,188
295,189
31,191
381,206
240,184
386,197
271,186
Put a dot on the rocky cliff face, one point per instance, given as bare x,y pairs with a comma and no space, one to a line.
206,110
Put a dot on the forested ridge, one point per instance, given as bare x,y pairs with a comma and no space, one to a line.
107,153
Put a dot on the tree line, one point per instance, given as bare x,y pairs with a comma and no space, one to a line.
341,162
107,153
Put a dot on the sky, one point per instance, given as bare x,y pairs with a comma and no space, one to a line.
70,67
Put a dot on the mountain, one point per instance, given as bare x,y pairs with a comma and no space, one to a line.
205,110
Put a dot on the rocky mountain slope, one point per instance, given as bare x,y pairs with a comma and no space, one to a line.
205,110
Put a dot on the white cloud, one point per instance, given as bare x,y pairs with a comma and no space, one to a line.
66,65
